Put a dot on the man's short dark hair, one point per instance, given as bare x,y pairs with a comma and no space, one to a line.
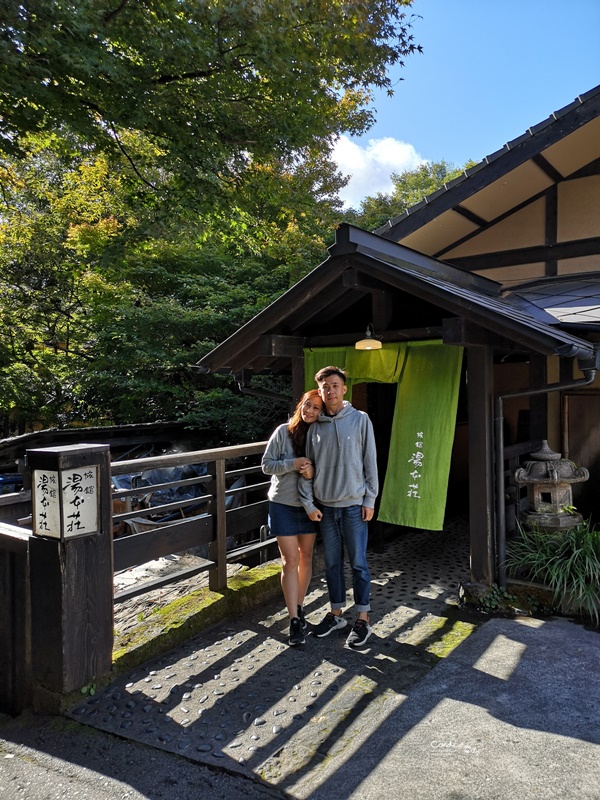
327,372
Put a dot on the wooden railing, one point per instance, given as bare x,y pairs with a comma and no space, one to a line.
72,643
227,521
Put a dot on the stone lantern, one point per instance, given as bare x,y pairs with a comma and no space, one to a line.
549,478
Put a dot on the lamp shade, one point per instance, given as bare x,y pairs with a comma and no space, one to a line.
369,342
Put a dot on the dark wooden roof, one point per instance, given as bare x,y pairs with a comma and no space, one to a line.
395,278
366,276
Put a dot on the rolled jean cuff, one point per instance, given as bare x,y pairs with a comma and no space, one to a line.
362,608
337,606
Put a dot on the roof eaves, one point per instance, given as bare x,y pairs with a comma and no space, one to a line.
369,244
502,315
385,229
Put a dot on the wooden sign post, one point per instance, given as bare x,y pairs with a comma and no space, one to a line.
71,571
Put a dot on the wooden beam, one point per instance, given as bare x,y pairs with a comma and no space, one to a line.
297,379
481,464
547,168
530,255
383,310
461,332
511,156
346,339
474,218
500,218
318,283
551,228
281,346
354,279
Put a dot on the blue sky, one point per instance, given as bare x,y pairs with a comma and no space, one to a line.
490,70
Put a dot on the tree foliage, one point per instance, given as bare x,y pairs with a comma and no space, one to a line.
108,297
210,83
166,173
410,187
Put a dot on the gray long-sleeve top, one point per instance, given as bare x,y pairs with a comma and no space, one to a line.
342,449
278,461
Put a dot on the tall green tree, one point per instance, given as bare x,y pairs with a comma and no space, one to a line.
210,83
108,297
409,188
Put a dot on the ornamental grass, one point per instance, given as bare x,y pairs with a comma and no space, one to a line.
568,562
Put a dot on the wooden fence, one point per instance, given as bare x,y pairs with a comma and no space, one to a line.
208,519
222,514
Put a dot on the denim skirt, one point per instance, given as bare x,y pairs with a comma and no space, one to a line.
289,520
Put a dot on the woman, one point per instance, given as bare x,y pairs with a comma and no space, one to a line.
285,461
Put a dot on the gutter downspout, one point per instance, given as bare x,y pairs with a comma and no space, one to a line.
589,366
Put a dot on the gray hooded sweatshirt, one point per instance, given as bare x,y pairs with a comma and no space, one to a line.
279,461
342,449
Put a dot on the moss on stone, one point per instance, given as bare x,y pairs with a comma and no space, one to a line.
187,616
457,634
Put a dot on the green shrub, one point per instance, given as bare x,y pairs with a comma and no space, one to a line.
568,562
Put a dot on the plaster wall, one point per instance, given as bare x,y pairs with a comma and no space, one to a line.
579,209
524,228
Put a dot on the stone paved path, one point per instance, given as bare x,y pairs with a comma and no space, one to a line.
238,697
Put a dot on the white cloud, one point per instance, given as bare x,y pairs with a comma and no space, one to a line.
371,165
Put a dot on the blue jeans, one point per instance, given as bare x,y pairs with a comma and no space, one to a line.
344,528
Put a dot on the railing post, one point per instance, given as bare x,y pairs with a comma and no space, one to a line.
71,572
217,576
264,536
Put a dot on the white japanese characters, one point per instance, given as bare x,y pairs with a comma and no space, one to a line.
417,460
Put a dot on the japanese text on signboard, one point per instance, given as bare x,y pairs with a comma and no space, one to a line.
416,460
71,510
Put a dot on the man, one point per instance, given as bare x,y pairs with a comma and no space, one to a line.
342,496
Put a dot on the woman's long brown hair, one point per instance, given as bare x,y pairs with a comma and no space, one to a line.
297,428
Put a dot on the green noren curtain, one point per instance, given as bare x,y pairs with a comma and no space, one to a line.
428,378
363,366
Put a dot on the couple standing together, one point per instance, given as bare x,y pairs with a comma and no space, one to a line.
323,470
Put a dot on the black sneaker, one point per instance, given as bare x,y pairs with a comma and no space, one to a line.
296,633
331,622
303,622
359,634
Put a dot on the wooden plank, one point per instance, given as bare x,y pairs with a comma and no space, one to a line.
13,539
250,487
217,577
193,457
481,464
15,627
163,509
156,487
139,548
173,577
247,518
247,549
15,497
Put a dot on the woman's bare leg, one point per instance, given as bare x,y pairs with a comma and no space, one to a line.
306,543
290,560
